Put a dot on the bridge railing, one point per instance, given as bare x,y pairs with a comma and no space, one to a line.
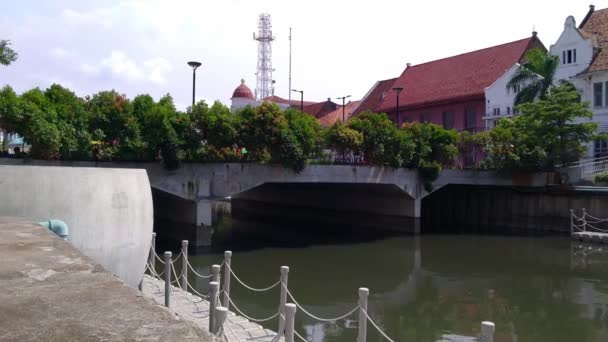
591,167
587,223
220,302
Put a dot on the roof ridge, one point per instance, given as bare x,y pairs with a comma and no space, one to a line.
470,52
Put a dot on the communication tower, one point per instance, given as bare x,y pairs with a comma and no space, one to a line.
265,83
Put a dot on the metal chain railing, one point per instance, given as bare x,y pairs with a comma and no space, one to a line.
369,319
251,288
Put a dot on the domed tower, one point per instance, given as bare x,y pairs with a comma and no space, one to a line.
242,97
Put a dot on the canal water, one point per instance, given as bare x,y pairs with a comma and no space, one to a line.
428,288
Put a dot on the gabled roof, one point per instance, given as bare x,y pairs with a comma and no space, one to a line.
294,102
595,25
336,115
321,108
374,96
459,77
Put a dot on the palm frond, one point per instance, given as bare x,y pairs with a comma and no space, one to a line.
521,77
528,93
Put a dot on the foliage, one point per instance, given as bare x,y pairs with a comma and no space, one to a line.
7,54
535,77
381,139
601,178
552,131
343,139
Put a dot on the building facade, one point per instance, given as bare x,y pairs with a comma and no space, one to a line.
583,54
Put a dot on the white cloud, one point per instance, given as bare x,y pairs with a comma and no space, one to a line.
59,53
97,17
119,65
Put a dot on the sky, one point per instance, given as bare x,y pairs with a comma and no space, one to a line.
340,47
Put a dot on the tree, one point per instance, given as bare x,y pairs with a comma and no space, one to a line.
7,54
343,139
381,139
11,118
535,77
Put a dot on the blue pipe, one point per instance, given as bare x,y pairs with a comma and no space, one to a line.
56,226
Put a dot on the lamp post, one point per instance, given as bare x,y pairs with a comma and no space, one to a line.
301,98
343,98
194,66
397,90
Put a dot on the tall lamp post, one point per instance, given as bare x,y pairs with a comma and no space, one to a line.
397,90
194,66
343,98
301,98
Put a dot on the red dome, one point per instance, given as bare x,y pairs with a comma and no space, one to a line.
243,91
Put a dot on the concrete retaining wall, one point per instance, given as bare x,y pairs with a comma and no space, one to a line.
109,211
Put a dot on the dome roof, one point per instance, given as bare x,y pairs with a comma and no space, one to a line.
243,91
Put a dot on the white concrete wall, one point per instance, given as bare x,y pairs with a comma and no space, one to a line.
572,39
109,211
241,102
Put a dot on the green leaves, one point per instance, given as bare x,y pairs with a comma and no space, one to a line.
7,54
535,76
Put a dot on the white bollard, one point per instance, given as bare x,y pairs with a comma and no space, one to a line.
487,331
571,221
215,273
283,299
185,265
167,279
227,257
363,294
215,287
584,220
290,314
221,314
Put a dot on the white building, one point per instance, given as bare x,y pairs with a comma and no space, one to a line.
500,99
243,97
583,54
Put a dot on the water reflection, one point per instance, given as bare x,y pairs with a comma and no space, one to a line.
428,288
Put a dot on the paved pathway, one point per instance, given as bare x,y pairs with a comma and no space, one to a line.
192,308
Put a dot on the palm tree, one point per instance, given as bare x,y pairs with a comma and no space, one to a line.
535,77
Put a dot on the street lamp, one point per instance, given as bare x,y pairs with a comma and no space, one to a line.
301,98
194,66
343,98
397,90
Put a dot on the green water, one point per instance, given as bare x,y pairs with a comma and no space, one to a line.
429,287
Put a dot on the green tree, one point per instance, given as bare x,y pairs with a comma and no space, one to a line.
39,126
535,77
382,142
7,54
11,117
260,129
343,139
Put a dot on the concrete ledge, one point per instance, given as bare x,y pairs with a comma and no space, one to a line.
52,292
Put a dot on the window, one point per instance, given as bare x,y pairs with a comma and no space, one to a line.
508,110
606,94
497,111
600,149
598,94
425,117
516,88
470,118
448,120
569,56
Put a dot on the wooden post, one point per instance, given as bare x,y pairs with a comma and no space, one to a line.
487,331
584,220
283,299
290,314
153,252
185,265
363,294
215,287
221,314
227,257
215,273
167,279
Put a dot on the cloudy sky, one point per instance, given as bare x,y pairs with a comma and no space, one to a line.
339,47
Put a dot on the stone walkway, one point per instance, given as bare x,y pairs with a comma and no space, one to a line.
191,308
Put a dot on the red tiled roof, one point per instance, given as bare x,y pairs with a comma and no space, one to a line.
374,96
321,108
336,115
596,24
459,77
277,99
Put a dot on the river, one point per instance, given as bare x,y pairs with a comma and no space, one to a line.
428,288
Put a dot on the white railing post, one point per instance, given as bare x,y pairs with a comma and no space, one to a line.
571,221
221,314
185,265
290,314
167,279
487,331
215,273
227,257
153,252
215,287
363,294
584,220
283,299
